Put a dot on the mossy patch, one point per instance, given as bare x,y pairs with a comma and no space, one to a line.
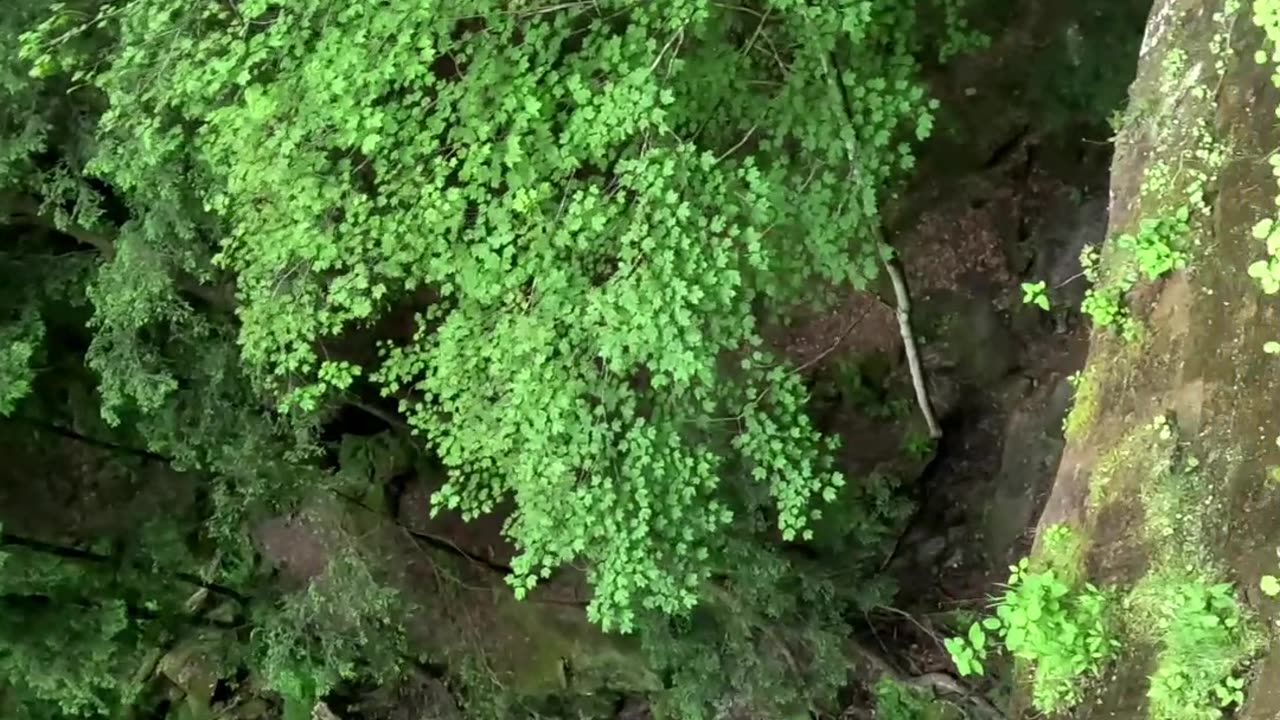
1183,608
1140,455
1085,405
1061,548
1205,641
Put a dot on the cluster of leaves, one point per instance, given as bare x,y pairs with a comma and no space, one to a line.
1266,15
1151,252
74,632
1033,293
917,445
1062,627
1204,642
778,639
769,638
958,35
20,344
343,626
552,234
861,386
895,701
580,205
1267,272
1204,637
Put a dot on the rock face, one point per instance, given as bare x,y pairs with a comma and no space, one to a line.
1201,116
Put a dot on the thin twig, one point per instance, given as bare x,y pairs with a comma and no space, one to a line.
928,631
739,144
909,343
799,369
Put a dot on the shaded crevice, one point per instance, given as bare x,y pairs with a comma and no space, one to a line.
68,433
436,542
1006,149
73,553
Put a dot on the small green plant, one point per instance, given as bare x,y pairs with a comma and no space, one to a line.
958,36
1104,301
1267,272
895,701
1204,640
344,626
1270,585
1049,619
917,446
1034,294
859,386
1156,247
1061,549
1154,250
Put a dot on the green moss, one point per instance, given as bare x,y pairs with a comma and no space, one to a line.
1183,605
1142,454
895,701
1085,406
1061,549
1204,637
559,653
1178,504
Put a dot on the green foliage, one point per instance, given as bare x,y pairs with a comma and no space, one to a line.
1033,294
552,235
1085,404
1153,251
19,347
1267,272
958,36
895,701
1266,15
917,445
861,387
1062,627
770,643
1270,585
344,626
73,632
1156,247
1061,549
1203,637
581,212
1204,642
